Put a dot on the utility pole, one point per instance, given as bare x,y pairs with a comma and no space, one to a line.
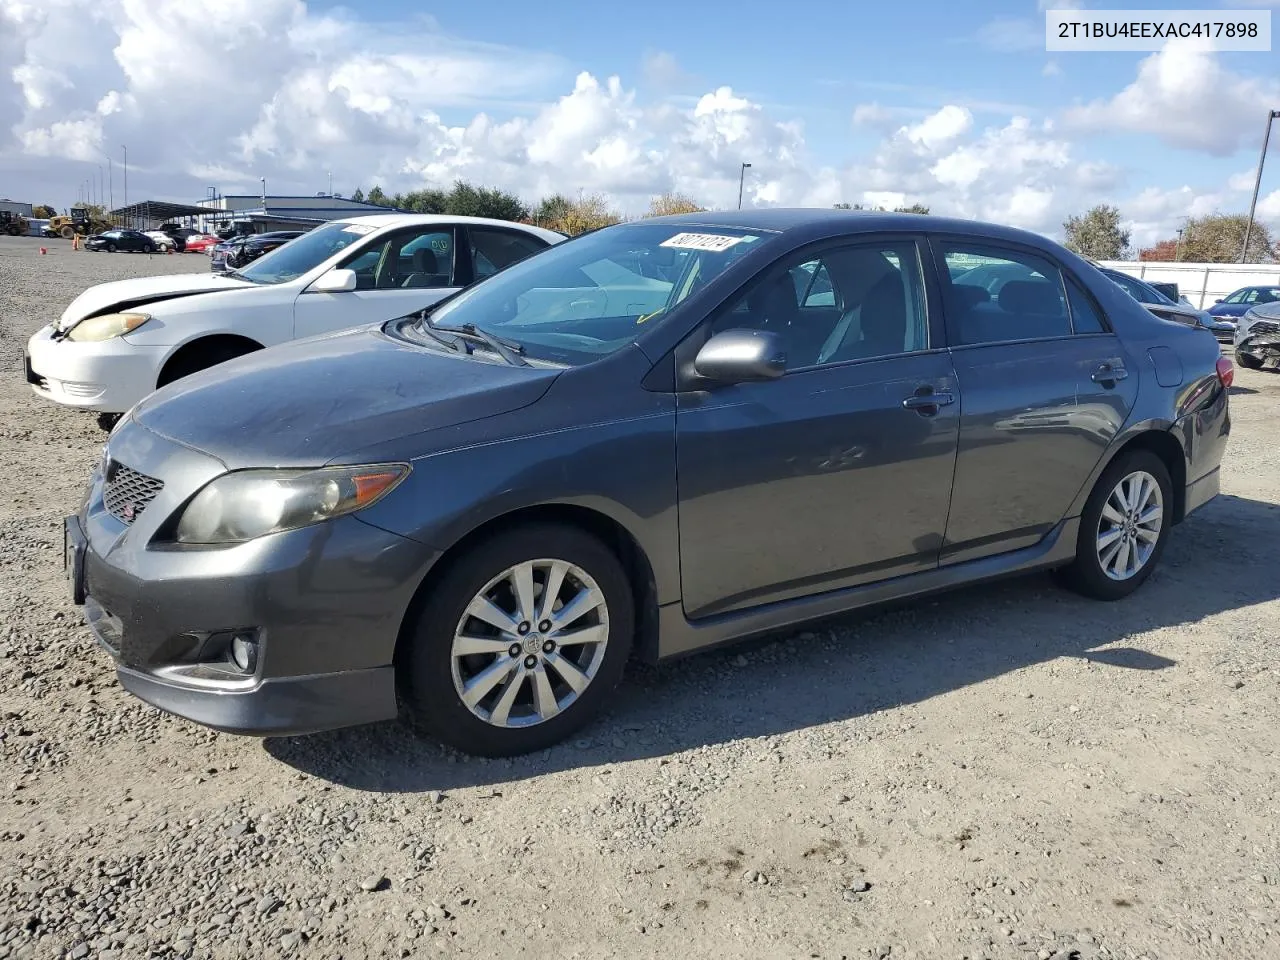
125,152
1177,249
111,185
1253,205
742,177
330,184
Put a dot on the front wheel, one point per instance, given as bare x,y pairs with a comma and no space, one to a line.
1123,528
1248,361
111,248
520,642
149,248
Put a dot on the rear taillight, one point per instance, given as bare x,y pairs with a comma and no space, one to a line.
1226,371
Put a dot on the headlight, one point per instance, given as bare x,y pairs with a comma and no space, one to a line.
245,504
95,329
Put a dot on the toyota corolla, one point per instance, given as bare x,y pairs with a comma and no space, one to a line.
647,440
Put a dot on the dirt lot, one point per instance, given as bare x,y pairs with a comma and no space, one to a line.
1005,772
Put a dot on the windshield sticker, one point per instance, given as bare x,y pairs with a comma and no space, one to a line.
711,242
360,229
440,245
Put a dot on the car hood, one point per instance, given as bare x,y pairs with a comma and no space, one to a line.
128,294
309,402
1264,311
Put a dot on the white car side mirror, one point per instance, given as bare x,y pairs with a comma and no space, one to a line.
335,281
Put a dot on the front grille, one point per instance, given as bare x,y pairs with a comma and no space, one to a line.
128,492
1265,326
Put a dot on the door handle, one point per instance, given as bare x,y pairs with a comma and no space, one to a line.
1107,374
927,403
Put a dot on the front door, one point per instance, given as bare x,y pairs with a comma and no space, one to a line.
839,472
405,271
1046,388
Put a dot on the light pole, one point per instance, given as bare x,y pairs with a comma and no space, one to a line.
264,193
1177,247
101,186
742,177
330,184
1253,204
125,156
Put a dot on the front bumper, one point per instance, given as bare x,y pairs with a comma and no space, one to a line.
109,376
324,605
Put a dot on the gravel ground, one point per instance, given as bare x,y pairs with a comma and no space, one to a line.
1005,772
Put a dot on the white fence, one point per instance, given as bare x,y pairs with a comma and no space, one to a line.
1202,283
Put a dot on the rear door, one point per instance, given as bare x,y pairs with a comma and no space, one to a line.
1046,386
404,271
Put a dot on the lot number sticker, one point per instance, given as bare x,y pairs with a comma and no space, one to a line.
701,241
359,229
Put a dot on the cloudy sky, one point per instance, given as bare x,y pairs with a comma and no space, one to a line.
957,106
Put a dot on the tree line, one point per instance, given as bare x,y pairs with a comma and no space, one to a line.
1099,234
564,214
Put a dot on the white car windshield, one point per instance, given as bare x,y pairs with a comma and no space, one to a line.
304,253
586,298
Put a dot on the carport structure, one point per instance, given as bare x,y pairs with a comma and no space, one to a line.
150,214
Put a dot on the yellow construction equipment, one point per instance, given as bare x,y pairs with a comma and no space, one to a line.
79,222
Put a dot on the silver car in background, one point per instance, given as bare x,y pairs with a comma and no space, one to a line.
1257,337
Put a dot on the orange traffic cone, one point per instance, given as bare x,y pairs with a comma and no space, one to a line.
43,251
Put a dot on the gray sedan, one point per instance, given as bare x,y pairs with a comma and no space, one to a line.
647,440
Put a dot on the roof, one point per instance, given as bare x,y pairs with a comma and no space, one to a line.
784,219
159,210
381,220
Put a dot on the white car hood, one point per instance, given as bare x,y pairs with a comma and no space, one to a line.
126,294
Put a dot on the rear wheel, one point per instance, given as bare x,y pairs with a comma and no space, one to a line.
1123,528
1248,361
149,248
519,643
67,233
111,248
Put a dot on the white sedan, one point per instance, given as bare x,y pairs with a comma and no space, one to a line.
119,341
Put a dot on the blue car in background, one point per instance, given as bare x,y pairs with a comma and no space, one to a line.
1237,304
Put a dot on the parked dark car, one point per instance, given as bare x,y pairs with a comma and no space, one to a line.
1257,340
1238,302
118,238
1163,306
477,513
241,251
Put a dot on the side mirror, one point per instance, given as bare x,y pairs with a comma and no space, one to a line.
738,356
335,281
1217,301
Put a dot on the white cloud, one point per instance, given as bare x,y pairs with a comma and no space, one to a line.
940,128
1185,97
1051,69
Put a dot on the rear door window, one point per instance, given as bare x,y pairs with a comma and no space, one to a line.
996,294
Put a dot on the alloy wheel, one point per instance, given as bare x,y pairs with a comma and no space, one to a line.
1130,525
529,643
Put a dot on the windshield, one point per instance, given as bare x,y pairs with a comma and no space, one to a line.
293,259
586,298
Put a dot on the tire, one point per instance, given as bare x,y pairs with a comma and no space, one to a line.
149,248
67,233
111,248
108,420
1247,361
1086,574
430,675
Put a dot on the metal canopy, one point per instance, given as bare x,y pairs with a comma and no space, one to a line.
158,210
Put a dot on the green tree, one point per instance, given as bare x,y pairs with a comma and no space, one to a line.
358,196
1218,237
919,208
43,211
465,200
424,201
1097,234
670,204
377,196
572,217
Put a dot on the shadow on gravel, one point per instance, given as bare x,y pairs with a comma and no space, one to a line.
1224,557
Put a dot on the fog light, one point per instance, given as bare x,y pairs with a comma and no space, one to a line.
244,652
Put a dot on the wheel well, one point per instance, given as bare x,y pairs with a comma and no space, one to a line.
188,354
1169,450
615,536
